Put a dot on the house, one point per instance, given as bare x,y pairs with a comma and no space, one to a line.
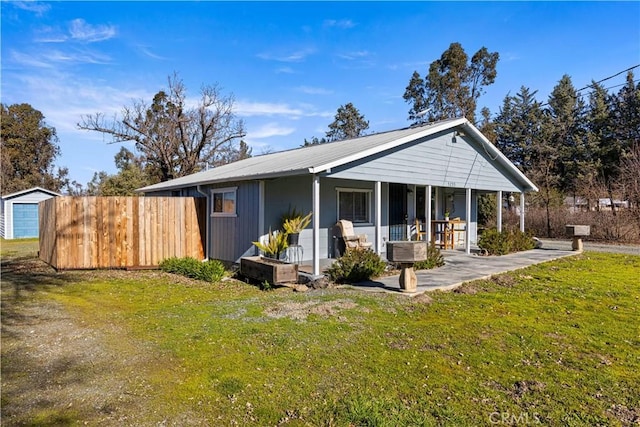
580,204
380,182
19,212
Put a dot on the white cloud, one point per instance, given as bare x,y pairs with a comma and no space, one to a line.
48,34
309,90
269,130
63,98
84,57
361,54
296,56
32,6
248,109
81,30
29,60
50,58
342,23
285,70
148,53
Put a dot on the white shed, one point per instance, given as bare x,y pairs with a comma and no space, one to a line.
19,212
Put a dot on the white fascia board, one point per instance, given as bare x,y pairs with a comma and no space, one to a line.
152,188
494,151
391,144
30,190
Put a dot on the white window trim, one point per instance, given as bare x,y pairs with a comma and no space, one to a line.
222,191
355,190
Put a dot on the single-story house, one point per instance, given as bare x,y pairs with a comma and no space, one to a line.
579,204
381,182
19,212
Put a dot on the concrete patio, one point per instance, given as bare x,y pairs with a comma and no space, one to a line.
460,267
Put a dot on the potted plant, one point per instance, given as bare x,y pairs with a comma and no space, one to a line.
269,268
446,216
293,223
275,244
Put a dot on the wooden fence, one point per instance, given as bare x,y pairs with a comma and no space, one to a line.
120,232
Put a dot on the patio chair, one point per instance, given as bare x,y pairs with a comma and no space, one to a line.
351,240
421,232
459,229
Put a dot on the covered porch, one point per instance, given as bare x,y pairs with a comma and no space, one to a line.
409,212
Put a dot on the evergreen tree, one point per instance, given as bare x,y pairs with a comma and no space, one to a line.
314,141
487,126
414,94
348,123
566,110
453,85
518,126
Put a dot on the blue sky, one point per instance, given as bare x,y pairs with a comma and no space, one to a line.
290,65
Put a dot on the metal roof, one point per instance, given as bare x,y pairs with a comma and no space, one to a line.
322,157
30,190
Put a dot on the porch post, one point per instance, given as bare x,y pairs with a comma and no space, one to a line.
499,211
522,211
377,195
316,225
467,231
427,213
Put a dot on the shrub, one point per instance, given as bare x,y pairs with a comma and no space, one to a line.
356,266
210,271
504,242
434,258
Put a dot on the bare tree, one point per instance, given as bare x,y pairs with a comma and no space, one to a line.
176,139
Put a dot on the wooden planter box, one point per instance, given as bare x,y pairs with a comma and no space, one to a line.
406,251
267,269
578,230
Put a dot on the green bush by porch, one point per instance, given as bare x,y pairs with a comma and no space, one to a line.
209,271
505,242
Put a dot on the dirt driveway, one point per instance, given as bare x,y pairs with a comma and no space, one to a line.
56,369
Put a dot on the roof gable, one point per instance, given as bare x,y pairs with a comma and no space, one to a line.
29,190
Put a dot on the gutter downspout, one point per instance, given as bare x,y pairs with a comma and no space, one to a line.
207,228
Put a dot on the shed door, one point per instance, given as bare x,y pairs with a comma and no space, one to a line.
25,220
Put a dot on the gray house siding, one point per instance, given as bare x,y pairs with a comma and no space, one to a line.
436,161
295,192
231,237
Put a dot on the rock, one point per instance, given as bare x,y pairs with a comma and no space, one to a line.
319,283
300,288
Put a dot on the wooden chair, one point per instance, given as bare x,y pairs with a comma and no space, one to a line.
459,228
421,232
442,234
351,240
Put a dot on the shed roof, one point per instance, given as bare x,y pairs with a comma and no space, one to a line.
321,158
29,190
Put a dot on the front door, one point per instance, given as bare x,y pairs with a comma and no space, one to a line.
397,212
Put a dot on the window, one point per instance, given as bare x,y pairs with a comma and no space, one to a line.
354,205
224,201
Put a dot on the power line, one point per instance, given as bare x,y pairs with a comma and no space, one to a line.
593,84
608,78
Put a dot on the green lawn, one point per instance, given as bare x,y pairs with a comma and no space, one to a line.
556,344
